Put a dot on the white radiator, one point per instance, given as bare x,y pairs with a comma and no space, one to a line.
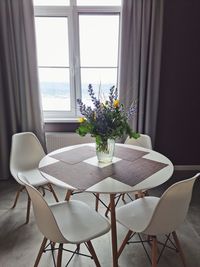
56,140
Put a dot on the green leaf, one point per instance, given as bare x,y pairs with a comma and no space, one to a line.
135,135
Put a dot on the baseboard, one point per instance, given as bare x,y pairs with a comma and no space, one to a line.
187,167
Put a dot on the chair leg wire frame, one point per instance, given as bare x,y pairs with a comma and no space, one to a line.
51,247
118,196
50,189
150,239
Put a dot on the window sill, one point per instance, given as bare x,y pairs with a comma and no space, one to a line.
61,120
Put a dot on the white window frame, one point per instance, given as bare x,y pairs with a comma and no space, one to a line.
72,12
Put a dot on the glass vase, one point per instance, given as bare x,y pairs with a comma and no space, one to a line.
105,151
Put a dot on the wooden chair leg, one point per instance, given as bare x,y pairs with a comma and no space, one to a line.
68,195
53,244
154,252
40,252
78,247
17,196
28,209
97,202
124,243
53,192
93,253
43,191
141,194
179,248
59,258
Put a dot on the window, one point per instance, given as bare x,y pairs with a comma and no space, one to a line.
52,32
77,44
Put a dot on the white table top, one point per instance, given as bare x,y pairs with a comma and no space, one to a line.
110,185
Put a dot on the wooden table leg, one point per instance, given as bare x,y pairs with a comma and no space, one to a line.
113,230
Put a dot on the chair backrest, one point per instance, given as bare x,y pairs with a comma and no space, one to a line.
143,141
26,153
43,215
172,207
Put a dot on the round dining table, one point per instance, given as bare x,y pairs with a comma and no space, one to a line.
133,169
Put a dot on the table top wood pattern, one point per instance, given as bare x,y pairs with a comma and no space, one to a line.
131,169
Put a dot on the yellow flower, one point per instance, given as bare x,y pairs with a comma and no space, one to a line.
81,119
116,103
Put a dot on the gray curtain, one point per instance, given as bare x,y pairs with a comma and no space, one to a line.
141,40
20,105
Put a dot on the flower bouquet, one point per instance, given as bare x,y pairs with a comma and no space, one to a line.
106,121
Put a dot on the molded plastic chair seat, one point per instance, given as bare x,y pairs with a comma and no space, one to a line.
67,222
158,216
75,218
137,214
26,153
35,178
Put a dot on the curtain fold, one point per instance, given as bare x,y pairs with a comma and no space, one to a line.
140,59
20,103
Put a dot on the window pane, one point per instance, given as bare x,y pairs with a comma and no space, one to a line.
55,89
52,41
99,2
99,40
101,80
51,2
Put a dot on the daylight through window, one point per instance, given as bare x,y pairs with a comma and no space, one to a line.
76,45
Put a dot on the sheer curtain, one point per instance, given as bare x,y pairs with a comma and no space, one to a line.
140,58
20,105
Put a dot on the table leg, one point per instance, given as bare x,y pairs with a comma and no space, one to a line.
113,230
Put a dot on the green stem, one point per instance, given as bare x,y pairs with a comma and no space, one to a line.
102,146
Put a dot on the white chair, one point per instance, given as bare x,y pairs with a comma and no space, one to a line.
143,141
67,222
155,216
26,153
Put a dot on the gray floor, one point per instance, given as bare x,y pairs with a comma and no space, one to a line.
19,243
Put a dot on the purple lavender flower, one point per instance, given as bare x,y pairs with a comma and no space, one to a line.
95,101
132,110
105,120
